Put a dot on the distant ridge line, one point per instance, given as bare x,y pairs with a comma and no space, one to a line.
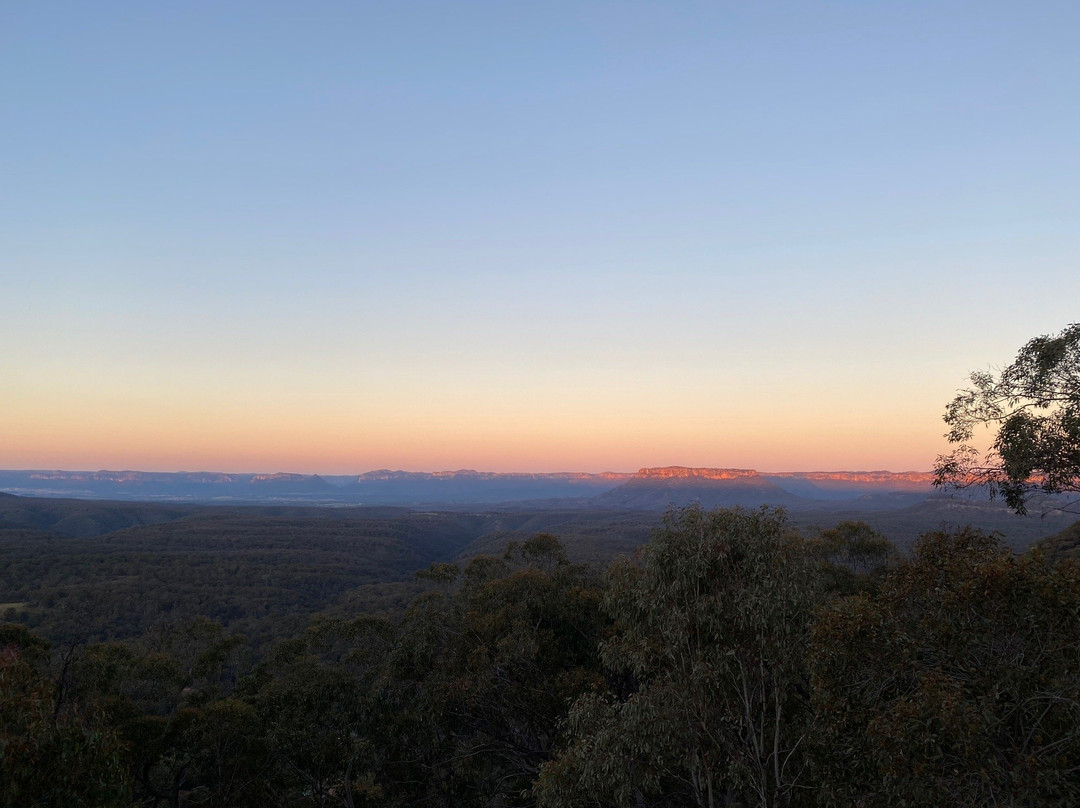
658,472
648,488
706,473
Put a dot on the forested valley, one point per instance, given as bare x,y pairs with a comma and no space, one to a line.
733,658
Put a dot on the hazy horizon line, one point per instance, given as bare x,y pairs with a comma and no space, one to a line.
463,470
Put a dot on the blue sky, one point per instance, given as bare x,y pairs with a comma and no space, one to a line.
340,236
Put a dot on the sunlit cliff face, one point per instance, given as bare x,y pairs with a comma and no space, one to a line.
123,476
676,472
387,474
920,477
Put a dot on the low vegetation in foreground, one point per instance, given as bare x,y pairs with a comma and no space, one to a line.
730,661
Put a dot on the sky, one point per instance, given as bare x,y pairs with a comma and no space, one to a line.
329,237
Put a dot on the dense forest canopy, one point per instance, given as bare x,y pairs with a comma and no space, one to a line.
731,661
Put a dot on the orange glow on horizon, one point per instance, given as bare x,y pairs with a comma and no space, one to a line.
622,448
617,423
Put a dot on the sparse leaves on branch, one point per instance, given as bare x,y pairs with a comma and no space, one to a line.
1035,405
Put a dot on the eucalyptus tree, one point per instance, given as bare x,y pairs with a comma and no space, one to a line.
957,683
50,754
708,698
317,696
483,671
1034,404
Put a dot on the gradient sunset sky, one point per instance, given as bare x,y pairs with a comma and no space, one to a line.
340,236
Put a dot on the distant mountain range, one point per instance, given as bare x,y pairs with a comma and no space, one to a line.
676,485
647,489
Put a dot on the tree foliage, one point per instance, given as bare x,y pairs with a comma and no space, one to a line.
709,690
317,700
853,556
1035,405
480,678
51,755
957,684
730,662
